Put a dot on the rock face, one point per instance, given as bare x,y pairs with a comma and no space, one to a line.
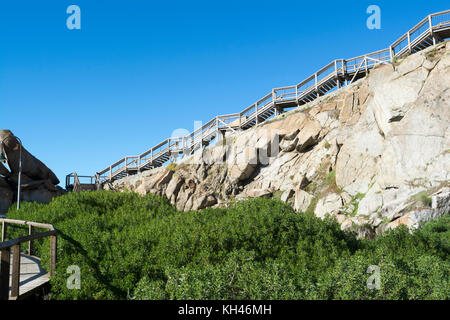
38,182
375,154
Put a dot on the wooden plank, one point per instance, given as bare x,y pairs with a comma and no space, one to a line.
15,276
4,230
34,236
32,276
53,251
4,273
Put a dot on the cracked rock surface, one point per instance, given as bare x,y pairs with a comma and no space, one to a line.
375,154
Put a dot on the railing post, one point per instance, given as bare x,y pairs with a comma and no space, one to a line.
30,243
5,256
53,247
110,172
296,94
431,29
409,42
256,114
4,230
391,53
97,181
336,74
15,277
315,80
344,69
274,99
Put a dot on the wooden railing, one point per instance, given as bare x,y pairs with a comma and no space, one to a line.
14,245
319,83
75,182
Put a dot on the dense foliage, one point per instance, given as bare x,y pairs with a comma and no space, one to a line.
141,247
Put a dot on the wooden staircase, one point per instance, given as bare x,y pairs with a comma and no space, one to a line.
340,72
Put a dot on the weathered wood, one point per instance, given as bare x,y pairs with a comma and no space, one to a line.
33,278
4,273
53,250
4,230
34,236
15,276
30,243
26,223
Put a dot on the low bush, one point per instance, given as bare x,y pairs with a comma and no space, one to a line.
129,246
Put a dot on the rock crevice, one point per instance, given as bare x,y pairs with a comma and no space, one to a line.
375,154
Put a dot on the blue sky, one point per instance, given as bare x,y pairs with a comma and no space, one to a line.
137,70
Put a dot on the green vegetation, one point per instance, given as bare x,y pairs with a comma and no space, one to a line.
257,249
423,199
330,182
172,166
354,204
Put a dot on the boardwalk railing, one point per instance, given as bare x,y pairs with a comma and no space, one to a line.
431,30
14,245
80,183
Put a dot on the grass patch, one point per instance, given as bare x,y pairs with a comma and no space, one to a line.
330,183
354,205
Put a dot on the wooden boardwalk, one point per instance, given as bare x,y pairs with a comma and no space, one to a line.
32,276
21,274
340,72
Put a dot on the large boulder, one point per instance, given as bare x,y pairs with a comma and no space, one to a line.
38,182
3,171
31,166
308,136
329,205
302,200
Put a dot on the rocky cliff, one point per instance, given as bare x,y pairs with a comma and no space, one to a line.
375,154
38,182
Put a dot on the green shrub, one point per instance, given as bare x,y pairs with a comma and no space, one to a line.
139,247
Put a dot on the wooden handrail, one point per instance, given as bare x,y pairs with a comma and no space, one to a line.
5,250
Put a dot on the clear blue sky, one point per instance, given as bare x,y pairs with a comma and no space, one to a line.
137,70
